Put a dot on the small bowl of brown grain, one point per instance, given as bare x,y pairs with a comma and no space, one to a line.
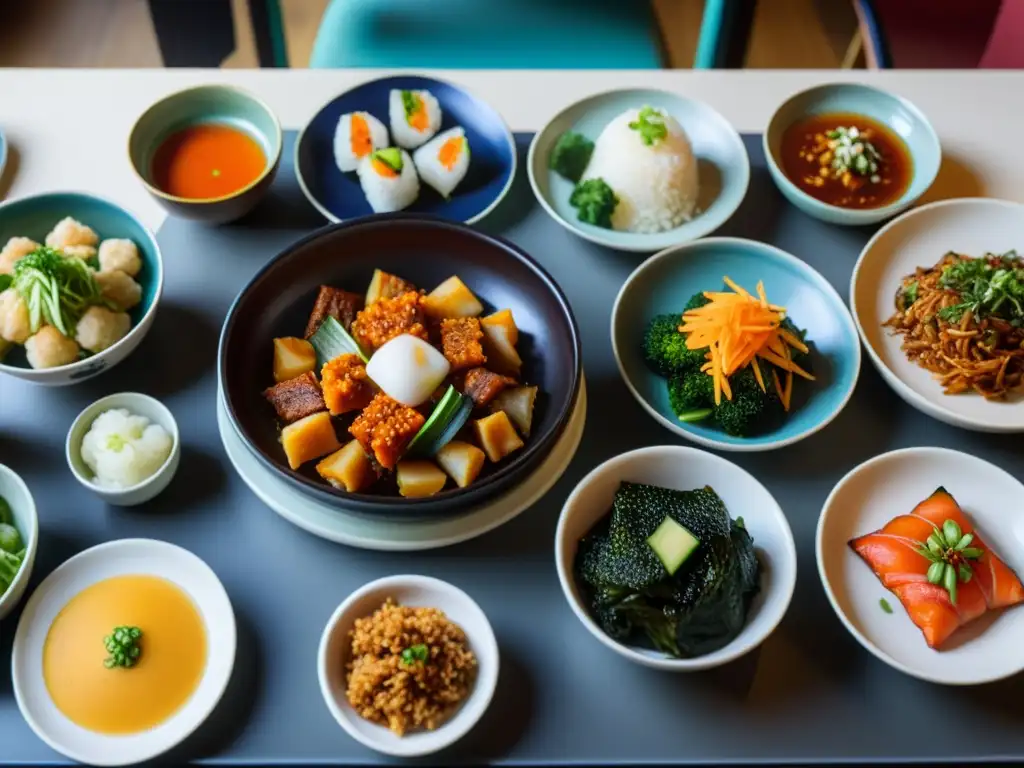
408,665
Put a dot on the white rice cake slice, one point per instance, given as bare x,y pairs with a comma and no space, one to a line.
444,160
388,189
348,153
415,117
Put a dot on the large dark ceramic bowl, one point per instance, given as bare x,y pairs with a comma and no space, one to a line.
426,251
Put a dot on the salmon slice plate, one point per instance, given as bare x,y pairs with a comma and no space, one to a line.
869,552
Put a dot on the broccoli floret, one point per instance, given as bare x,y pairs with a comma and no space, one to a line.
665,349
751,410
595,202
692,396
571,154
696,301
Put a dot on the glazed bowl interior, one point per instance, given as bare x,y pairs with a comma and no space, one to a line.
425,251
220,104
895,112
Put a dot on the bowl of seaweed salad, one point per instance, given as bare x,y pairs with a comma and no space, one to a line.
675,558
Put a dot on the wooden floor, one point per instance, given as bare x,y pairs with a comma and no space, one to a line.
118,33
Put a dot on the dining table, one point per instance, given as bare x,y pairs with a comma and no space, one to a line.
68,130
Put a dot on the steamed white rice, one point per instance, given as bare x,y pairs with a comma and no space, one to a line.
656,185
346,159
431,168
123,450
386,194
405,135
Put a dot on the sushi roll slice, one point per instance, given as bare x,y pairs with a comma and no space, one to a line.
389,181
443,161
415,117
357,135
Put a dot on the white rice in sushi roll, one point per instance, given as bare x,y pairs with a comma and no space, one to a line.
444,160
351,146
656,183
389,181
415,117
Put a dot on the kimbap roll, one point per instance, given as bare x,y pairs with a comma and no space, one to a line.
357,135
389,180
443,161
415,117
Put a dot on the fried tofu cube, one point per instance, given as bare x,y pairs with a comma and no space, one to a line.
292,357
452,299
418,478
500,339
348,468
482,386
384,285
333,302
385,428
296,398
345,384
385,319
460,342
462,461
497,436
518,404
309,438
503,318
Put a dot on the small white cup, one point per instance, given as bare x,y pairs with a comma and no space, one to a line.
139,405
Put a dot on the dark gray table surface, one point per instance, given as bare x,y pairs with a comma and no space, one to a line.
810,694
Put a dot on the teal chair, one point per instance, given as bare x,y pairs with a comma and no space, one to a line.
502,34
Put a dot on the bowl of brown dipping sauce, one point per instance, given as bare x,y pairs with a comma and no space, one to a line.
851,154
208,153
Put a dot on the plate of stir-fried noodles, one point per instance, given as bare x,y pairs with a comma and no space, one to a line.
938,298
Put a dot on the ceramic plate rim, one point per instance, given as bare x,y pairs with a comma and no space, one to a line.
510,137
770,251
480,696
665,238
219,666
895,382
860,637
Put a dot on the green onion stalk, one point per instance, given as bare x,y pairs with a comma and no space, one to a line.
57,289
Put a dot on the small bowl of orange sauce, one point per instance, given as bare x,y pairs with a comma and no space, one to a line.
848,153
208,153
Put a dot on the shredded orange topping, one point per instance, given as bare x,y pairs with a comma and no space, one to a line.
418,118
383,169
450,152
737,328
359,136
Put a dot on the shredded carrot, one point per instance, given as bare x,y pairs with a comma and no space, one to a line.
757,374
359,138
449,153
778,389
789,391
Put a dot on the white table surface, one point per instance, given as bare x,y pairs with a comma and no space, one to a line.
69,128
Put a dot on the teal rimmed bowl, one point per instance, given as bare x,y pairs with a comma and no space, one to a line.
34,217
902,117
665,282
223,104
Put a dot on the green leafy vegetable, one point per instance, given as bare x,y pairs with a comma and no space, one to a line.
595,202
5,282
410,103
332,340
449,416
56,289
415,653
123,646
10,564
571,154
6,515
650,124
910,293
10,539
885,605
992,286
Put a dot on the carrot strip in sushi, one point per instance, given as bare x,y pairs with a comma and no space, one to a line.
895,554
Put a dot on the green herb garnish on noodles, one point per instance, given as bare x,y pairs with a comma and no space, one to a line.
650,124
57,289
415,653
123,646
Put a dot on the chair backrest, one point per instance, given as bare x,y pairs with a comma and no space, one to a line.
1005,49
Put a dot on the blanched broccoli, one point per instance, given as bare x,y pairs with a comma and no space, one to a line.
696,301
665,349
595,202
571,154
692,396
751,410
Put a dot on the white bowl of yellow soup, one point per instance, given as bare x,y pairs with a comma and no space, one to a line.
100,713
17,507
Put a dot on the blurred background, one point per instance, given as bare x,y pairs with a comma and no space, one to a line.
631,33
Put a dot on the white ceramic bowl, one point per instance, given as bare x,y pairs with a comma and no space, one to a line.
682,468
412,591
139,405
893,484
17,495
921,237
121,558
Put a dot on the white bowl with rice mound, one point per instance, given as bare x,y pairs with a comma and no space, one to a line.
408,665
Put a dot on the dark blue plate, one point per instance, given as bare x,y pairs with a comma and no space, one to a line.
338,195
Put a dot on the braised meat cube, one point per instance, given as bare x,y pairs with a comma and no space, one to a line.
296,398
345,385
461,342
384,285
482,385
385,428
385,319
333,302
